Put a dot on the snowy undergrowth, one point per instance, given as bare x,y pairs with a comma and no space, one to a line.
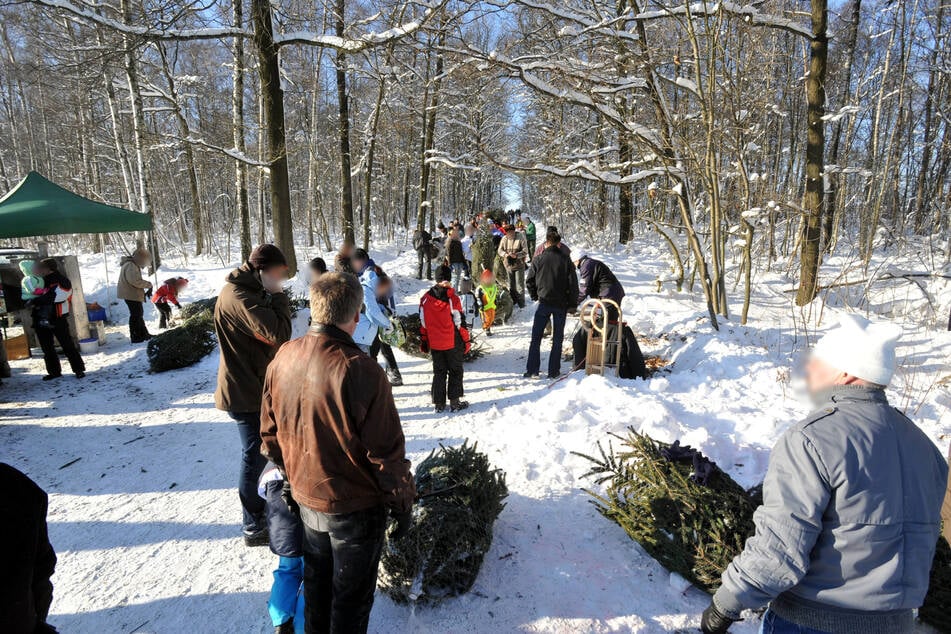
146,520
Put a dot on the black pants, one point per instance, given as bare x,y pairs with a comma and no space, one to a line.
166,314
341,562
252,465
377,347
59,330
424,255
137,329
447,372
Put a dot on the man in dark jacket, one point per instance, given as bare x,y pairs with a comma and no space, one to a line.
596,281
551,282
329,420
27,559
422,244
252,320
851,504
51,320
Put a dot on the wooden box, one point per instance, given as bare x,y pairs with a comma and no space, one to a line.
17,348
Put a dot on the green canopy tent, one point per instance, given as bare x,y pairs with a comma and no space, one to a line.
38,207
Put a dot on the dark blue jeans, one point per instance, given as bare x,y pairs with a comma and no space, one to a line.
773,624
252,464
341,562
558,316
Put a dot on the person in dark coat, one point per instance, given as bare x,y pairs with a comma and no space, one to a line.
596,281
252,320
342,263
422,244
553,283
27,559
457,258
51,316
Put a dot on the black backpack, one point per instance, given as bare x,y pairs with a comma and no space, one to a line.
632,360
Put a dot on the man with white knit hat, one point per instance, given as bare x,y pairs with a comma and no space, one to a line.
851,504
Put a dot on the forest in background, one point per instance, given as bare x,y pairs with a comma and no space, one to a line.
749,136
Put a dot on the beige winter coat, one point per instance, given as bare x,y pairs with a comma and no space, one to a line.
513,249
131,286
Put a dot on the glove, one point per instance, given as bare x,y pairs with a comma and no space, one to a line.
148,293
424,345
289,500
715,622
404,521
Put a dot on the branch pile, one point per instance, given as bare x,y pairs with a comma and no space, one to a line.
187,344
681,508
460,496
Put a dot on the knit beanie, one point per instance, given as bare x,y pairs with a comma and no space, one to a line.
443,274
861,348
266,256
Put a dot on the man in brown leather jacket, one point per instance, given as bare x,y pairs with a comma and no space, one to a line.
329,420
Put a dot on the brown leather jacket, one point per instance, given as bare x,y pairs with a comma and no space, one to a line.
329,419
251,325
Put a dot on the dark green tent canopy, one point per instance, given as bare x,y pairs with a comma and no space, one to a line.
37,207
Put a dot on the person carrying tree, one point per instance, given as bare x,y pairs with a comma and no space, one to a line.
513,249
852,504
443,334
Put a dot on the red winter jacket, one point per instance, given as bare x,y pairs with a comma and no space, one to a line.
441,314
166,293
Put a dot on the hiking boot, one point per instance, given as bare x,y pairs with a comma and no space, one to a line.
81,374
440,409
530,375
50,377
553,376
456,405
259,537
396,379
286,627
488,333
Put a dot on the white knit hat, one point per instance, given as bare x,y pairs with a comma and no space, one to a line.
861,348
579,255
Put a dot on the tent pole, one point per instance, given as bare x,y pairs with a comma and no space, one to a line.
105,266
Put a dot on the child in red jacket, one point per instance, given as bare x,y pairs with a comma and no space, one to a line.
444,335
168,293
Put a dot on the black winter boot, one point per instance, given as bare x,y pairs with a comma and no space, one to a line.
396,379
457,405
286,627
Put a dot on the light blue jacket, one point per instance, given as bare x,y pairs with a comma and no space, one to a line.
373,318
850,518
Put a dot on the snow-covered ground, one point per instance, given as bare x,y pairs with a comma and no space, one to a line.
141,468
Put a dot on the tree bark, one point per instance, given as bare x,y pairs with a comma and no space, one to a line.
238,131
815,151
343,130
273,103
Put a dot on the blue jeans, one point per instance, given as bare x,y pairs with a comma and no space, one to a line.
458,272
252,464
558,316
287,593
773,624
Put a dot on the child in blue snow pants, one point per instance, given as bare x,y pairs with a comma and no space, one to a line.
286,605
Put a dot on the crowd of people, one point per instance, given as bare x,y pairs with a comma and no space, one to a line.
843,543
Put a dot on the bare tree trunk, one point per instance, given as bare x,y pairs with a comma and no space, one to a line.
815,151
273,105
343,129
368,171
430,105
238,131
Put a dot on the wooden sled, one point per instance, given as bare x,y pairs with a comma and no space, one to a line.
603,353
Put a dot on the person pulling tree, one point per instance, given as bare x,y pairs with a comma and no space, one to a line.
444,335
167,294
